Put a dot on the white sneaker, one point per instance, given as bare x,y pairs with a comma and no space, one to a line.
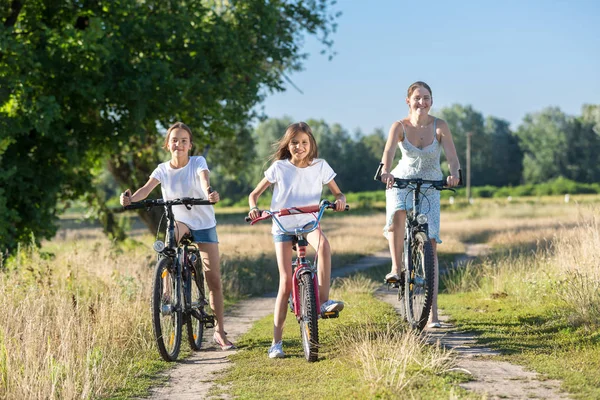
276,350
332,305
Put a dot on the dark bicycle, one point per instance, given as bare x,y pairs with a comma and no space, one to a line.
304,300
178,293
415,288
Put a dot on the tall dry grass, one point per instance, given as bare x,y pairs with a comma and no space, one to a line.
562,267
577,261
388,354
393,357
72,325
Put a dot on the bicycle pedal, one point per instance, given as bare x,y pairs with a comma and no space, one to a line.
393,285
209,321
330,314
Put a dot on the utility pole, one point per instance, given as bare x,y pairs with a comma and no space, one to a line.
469,134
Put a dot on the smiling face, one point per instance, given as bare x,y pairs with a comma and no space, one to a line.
180,142
299,148
420,101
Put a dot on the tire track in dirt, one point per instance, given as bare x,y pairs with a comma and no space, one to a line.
193,377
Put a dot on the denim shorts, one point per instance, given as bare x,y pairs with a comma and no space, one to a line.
205,235
280,238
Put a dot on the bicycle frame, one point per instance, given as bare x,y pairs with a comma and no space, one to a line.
416,286
301,264
175,260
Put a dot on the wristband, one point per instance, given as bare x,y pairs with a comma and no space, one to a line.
254,208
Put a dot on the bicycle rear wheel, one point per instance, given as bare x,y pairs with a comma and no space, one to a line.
166,310
309,314
195,323
419,281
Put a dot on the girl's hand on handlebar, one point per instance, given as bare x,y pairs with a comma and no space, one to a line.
214,197
388,179
125,198
452,181
340,204
254,213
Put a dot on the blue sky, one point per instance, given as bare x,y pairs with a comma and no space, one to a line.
505,58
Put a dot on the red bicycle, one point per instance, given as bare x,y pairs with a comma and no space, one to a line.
304,299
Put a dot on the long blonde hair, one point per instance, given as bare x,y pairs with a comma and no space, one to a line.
282,151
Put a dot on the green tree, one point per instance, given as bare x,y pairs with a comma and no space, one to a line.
83,83
463,120
555,144
506,158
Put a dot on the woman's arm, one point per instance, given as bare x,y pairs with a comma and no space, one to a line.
388,154
450,151
340,199
253,197
213,196
126,198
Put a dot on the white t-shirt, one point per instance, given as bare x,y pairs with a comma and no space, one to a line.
294,187
185,182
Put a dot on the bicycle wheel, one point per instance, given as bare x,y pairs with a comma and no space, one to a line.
195,325
166,310
309,315
419,281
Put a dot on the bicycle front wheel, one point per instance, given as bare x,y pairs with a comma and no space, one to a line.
195,323
418,282
166,310
309,315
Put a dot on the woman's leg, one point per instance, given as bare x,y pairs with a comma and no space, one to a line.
396,240
319,242
433,317
283,250
211,261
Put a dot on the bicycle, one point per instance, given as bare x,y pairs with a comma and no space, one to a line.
178,294
304,299
415,287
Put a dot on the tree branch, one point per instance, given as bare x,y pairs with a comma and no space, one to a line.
15,6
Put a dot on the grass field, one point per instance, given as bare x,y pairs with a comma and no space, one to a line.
76,321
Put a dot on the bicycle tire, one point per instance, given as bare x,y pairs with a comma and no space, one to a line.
166,310
309,315
195,326
419,281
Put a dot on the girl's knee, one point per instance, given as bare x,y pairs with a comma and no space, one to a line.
325,247
214,285
285,288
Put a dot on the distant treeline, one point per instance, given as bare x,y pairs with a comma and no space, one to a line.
548,146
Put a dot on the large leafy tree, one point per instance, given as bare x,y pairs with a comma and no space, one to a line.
89,82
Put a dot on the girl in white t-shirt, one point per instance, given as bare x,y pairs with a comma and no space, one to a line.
185,176
298,177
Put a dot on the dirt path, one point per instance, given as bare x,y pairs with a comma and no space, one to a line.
493,379
193,377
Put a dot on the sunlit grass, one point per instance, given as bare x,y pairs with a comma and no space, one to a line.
365,353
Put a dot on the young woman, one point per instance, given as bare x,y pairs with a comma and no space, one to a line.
185,176
298,177
420,137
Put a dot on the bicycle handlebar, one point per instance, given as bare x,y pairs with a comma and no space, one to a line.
186,201
402,183
266,214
